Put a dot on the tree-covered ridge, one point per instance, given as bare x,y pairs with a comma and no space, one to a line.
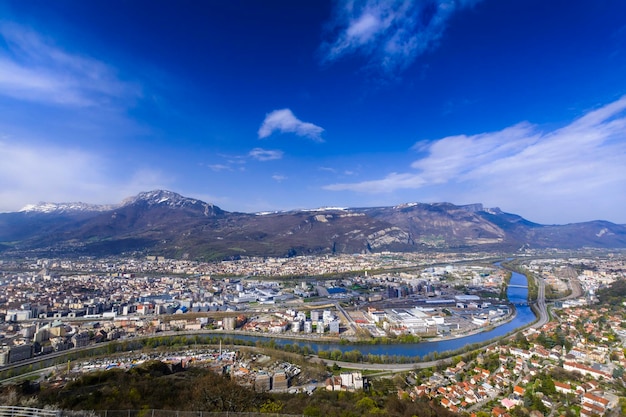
152,384
156,385
614,294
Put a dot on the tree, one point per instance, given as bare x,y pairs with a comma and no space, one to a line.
538,405
216,393
271,406
312,411
521,341
365,404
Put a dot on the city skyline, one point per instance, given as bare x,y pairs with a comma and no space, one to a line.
286,105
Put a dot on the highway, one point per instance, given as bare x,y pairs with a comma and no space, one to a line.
541,304
389,367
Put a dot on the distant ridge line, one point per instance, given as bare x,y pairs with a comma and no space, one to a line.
168,224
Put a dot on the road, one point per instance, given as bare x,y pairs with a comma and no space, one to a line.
388,367
39,373
541,304
347,318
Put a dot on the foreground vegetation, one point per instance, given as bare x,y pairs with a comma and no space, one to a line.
156,385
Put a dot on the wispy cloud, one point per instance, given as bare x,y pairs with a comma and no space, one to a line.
238,163
524,167
220,167
284,121
346,172
391,34
261,154
33,69
233,160
390,183
59,174
279,178
454,157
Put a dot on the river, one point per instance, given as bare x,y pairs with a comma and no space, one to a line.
524,316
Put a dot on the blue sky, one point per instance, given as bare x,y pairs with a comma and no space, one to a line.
277,105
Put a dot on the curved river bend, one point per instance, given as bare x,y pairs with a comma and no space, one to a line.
524,316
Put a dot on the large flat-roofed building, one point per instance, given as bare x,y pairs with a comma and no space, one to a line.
20,352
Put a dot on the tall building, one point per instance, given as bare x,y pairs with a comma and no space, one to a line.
320,326
280,381
308,326
262,383
229,323
315,316
333,326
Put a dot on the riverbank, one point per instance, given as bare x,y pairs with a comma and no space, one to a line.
420,352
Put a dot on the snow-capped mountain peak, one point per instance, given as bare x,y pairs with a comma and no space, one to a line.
44,207
163,198
170,199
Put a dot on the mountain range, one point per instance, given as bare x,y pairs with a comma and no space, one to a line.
166,223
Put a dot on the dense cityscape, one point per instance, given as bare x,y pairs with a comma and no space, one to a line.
572,363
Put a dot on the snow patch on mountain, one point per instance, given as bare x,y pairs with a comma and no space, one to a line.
50,208
405,205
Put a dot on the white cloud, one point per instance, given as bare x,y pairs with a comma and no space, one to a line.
238,162
34,69
390,183
284,121
58,174
279,178
455,156
574,172
390,33
220,167
261,154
